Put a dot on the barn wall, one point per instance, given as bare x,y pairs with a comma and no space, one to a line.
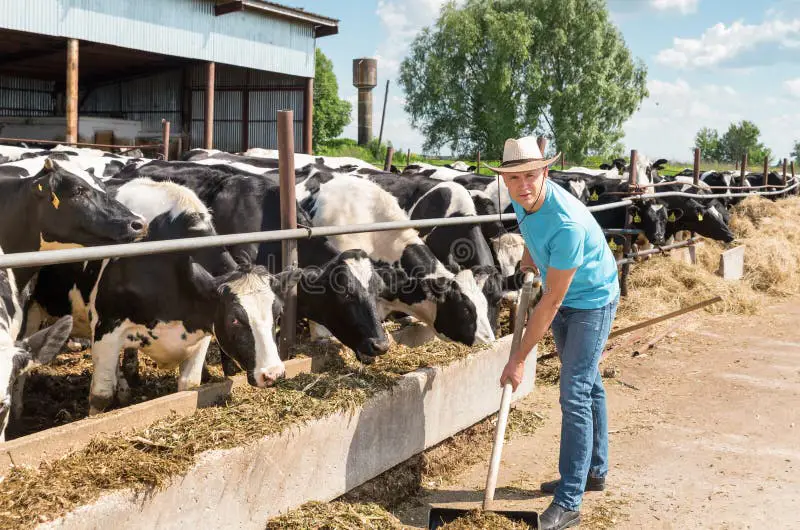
264,93
180,28
148,100
25,97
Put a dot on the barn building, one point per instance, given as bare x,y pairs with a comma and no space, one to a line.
109,71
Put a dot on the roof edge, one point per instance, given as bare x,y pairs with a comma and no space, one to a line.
323,26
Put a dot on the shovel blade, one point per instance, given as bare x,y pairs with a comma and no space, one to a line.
438,517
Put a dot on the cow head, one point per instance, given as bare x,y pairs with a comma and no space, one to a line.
651,217
74,208
248,303
704,219
40,348
462,311
342,296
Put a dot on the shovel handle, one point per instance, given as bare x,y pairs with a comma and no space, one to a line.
508,390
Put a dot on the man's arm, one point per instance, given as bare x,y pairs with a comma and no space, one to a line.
558,282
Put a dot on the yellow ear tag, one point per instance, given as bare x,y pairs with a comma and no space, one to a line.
594,196
699,217
40,187
611,244
672,217
637,219
55,201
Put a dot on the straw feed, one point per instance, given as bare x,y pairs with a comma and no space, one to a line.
336,516
478,519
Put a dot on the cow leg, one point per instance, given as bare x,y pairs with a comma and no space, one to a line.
130,366
17,400
191,369
105,358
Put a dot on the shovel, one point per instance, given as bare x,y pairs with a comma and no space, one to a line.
441,514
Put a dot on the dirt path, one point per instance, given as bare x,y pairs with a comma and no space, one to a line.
705,433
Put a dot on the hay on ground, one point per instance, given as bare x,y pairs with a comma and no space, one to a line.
336,516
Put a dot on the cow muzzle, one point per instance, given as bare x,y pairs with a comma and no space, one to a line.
266,376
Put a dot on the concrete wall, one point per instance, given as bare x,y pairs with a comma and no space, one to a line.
243,487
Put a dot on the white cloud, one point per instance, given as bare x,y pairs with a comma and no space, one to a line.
722,44
684,6
792,86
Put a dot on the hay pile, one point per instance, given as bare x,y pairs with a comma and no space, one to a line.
661,284
149,457
335,516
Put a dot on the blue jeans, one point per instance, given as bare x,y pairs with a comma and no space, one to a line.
580,336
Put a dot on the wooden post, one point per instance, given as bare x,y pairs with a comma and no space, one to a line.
785,163
408,158
766,173
478,164
696,169
288,221
208,138
389,154
165,138
634,172
308,117
562,161
72,91
743,169
383,115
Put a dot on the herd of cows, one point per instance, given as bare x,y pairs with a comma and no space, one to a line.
170,306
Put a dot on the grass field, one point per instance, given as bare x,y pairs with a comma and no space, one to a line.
376,155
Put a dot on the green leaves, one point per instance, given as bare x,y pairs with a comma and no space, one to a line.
331,114
492,70
740,138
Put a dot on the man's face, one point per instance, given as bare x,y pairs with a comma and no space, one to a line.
524,186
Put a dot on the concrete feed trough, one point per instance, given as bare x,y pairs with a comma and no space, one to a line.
321,460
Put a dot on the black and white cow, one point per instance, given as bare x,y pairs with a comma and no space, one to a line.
453,304
461,166
169,306
702,216
61,206
18,356
343,294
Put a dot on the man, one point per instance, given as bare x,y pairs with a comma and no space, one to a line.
579,303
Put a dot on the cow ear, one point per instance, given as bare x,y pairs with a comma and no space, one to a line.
45,344
202,281
283,282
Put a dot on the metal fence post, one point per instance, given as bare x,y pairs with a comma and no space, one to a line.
626,246
288,221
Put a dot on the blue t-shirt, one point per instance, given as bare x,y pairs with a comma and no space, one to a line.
563,234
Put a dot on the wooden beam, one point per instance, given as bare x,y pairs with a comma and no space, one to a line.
308,116
72,90
208,140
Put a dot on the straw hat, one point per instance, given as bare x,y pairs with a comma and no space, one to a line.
522,154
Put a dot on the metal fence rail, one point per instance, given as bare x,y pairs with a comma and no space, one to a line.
75,255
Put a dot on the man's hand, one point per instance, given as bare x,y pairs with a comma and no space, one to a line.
513,373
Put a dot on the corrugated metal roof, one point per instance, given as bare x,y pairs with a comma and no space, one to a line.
179,28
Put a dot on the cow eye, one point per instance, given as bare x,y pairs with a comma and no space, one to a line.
80,191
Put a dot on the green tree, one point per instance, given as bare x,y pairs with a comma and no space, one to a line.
707,139
741,138
494,69
331,114
796,152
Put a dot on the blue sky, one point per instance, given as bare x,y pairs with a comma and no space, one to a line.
709,62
